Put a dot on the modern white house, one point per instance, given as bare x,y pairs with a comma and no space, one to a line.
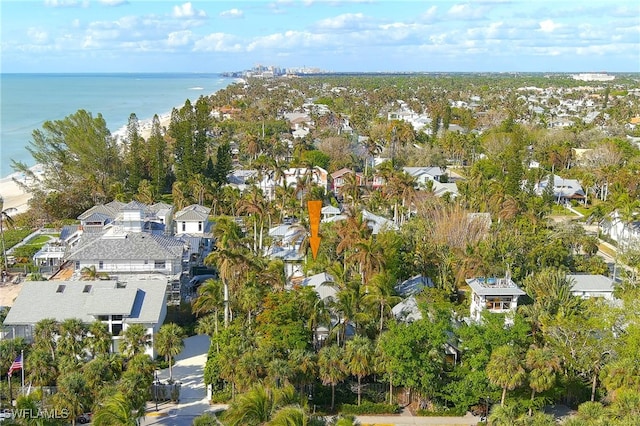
588,286
116,304
625,233
194,220
496,295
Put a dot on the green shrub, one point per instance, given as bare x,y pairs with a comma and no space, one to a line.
221,396
368,407
445,412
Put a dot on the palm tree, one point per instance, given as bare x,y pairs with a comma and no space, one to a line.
359,355
228,257
72,338
73,395
254,204
41,368
543,365
257,406
169,341
504,415
98,339
209,299
332,368
351,188
116,411
45,335
90,273
381,294
135,340
4,217
505,370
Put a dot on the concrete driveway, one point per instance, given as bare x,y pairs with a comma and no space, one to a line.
189,370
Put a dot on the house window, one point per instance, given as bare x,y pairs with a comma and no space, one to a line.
61,288
116,317
184,226
103,318
498,303
86,289
200,226
159,264
116,329
77,265
101,265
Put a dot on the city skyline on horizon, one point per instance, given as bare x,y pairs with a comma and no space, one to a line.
357,36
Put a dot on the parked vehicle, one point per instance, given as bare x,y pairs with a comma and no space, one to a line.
84,418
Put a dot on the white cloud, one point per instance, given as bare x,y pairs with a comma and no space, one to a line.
187,10
232,13
467,11
341,22
37,35
114,2
548,26
218,42
179,38
430,14
65,3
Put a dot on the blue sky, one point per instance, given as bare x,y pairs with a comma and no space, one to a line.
334,35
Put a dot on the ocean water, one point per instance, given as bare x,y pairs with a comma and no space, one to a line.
28,100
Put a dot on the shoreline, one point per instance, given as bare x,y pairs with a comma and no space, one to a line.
16,199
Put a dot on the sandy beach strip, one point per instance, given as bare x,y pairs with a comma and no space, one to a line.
16,199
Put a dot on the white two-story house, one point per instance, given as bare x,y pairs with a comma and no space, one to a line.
496,295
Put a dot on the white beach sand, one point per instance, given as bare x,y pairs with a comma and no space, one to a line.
15,198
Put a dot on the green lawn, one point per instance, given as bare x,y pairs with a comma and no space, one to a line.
40,240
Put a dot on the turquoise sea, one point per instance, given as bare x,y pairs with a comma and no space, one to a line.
28,100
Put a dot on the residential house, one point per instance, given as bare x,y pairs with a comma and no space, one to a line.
374,222
624,232
116,304
241,178
496,295
564,190
286,242
407,310
117,251
588,286
413,285
329,212
433,178
338,179
300,178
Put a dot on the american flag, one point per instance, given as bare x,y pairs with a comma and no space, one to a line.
17,365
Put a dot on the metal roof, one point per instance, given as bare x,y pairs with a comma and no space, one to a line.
139,301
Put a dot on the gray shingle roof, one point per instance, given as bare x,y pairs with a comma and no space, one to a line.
135,205
191,216
107,210
591,283
139,301
133,245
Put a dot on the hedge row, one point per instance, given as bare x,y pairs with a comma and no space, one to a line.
369,408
